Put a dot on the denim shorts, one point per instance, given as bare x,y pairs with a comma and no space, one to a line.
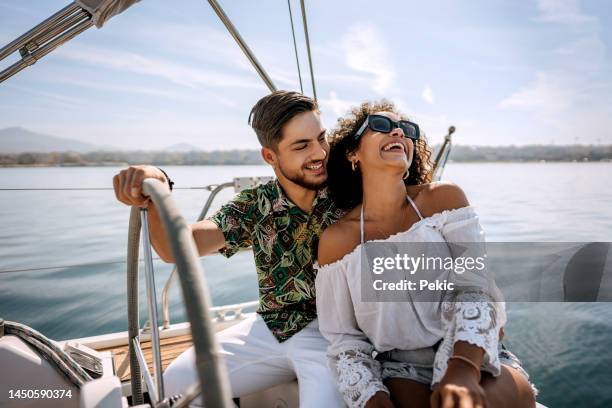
420,366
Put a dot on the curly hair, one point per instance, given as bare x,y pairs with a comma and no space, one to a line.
345,185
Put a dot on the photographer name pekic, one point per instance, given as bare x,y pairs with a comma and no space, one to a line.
408,285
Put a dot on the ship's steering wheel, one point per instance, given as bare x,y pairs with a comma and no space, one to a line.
209,365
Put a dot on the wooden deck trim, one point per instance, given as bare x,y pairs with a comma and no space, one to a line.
170,349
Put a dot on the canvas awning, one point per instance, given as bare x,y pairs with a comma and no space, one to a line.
58,29
103,10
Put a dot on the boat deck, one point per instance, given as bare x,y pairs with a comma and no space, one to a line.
170,349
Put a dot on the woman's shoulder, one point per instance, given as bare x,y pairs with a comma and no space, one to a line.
339,239
436,197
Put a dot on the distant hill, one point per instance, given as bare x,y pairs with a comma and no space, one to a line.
460,153
181,147
21,147
18,139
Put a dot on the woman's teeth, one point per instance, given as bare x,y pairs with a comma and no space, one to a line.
393,145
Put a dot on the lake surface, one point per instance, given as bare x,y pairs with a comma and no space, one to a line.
565,347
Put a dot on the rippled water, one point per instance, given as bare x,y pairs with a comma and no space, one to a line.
565,347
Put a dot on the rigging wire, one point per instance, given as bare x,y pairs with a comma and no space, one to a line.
297,60
88,188
314,91
45,268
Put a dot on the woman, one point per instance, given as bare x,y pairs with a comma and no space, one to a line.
387,354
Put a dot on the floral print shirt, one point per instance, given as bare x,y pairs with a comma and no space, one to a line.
284,239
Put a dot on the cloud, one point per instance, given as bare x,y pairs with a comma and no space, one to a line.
218,46
365,51
57,98
584,55
145,131
177,73
17,9
550,92
570,101
338,106
286,77
562,11
428,95
578,62
218,50
150,91
573,85
433,126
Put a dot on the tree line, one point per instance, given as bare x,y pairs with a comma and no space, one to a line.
460,153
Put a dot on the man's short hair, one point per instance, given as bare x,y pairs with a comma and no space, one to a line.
273,111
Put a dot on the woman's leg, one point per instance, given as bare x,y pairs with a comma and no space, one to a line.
510,389
408,393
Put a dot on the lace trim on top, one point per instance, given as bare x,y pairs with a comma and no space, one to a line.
468,316
358,375
472,317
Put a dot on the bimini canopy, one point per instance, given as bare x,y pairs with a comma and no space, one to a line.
102,10
58,29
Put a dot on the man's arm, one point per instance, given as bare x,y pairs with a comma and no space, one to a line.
128,190
207,236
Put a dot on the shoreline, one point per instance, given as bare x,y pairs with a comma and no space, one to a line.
125,164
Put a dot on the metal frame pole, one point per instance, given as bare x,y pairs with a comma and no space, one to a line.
30,59
442,155
152,303
142,361
45,25
242,44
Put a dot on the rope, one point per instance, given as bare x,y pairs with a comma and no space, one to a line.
50,351
297,60
314,91
132,305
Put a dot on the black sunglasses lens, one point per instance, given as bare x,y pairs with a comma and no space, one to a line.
380,124
409,130
386,125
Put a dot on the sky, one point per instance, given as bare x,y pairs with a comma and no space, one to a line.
503,72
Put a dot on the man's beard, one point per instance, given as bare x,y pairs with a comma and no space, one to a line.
301,180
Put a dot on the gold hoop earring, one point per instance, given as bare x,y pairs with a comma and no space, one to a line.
406,175
354,164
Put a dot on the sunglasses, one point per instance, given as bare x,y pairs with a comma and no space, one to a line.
380,123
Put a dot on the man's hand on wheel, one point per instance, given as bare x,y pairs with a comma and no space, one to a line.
128,184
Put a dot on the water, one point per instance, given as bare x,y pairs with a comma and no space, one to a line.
565,347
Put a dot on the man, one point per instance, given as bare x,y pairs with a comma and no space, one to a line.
282,221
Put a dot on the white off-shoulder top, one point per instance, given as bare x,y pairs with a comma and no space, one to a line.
356,329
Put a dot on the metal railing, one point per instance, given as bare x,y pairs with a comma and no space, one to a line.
152,307
443,155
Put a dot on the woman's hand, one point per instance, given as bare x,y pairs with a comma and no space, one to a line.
379,400
459,388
